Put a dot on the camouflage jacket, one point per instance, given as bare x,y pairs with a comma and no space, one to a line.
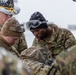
59,40
37,54
5,45
37,68
65,63
37,60
21,44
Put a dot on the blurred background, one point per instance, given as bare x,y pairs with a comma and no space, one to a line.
60,12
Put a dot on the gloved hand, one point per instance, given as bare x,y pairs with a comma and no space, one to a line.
49,62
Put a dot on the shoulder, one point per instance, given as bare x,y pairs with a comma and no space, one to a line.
52,25
67,61
65,30
56,26
67,55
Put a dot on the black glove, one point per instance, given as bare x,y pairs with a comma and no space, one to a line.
49,62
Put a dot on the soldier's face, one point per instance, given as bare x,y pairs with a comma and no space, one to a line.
4,17
39,33
10,40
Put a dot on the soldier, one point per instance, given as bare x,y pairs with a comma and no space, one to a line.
11,31
49,36
7,10
10,65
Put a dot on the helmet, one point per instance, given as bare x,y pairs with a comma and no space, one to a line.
7,7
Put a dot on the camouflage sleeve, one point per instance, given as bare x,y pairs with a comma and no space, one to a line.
38,68
33,58
21,44
69,40
36,54
67,61
34,42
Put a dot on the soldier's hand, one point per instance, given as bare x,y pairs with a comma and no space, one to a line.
49,62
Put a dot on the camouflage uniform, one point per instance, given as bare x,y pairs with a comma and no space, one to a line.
36,67
65,63
21,44
10,65
7,7
36,54
38,62
59,40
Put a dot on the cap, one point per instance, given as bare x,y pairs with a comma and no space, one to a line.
7,7
37,16
36,21
12,28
